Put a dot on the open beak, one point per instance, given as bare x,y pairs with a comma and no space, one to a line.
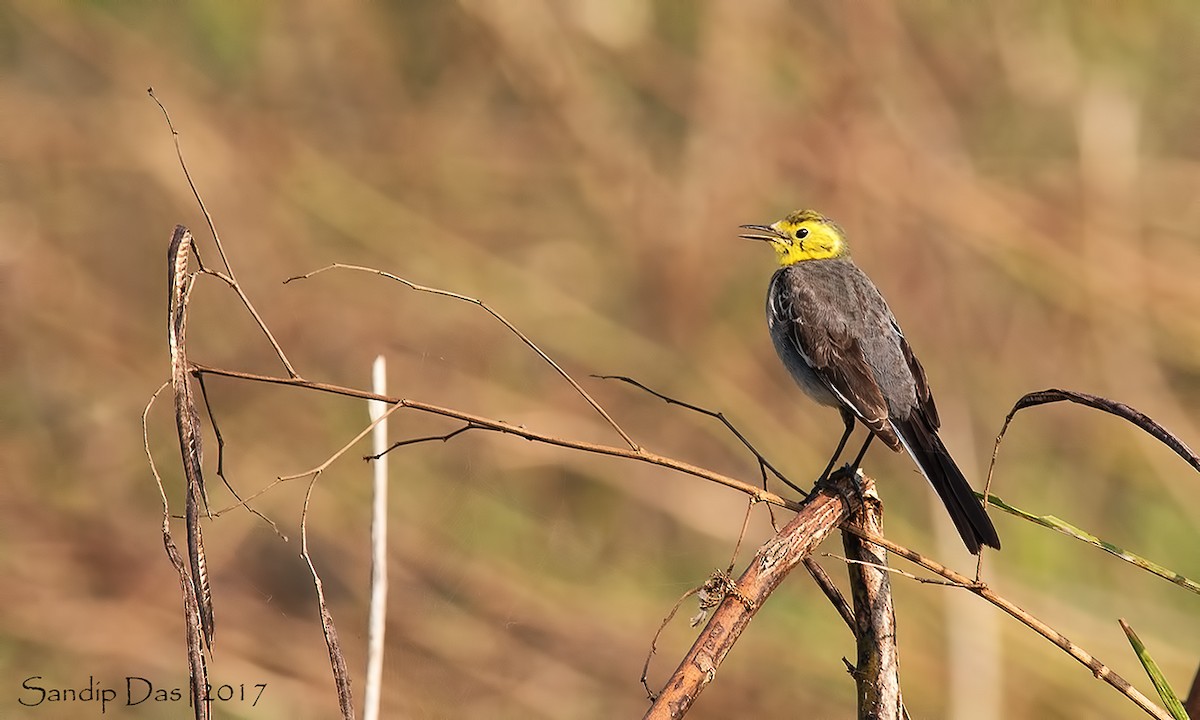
769,234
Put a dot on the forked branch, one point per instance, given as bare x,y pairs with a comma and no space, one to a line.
818,516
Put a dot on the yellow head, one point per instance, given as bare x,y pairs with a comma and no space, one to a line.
802,235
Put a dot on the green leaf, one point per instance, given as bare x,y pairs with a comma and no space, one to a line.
1169,698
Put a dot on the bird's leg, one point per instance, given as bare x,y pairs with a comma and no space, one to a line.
852,470
861,453
848,421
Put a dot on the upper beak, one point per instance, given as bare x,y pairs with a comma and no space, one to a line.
770,234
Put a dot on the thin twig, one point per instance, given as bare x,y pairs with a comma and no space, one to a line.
230,279
1125,412
832,593
503,321
741,535
484,423
445,437
650,694
341,675
763,463
1098,668
212,421
311,471
898,571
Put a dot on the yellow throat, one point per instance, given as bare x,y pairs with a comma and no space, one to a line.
802,235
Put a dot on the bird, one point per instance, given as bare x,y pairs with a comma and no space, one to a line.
838,339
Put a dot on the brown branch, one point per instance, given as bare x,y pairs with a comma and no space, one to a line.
831,591
819,514
187,423
1121,410
819,576
503,321
877,667
1098,668
763,463
229,279
337,661
198,671
245,502
484,423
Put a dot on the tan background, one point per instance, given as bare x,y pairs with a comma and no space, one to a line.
1020,182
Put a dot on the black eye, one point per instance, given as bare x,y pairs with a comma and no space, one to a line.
801,233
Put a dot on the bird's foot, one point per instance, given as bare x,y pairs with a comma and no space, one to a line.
855,497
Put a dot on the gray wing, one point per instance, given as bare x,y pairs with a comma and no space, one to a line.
833,338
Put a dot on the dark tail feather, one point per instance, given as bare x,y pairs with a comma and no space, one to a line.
973,524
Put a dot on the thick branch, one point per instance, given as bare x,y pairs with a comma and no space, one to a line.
877,668
819,514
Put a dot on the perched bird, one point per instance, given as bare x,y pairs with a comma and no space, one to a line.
838,339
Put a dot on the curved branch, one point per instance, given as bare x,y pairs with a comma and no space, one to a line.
503,321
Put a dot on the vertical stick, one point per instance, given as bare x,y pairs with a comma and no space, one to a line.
378,610
877,669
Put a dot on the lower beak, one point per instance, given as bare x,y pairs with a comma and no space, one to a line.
770,234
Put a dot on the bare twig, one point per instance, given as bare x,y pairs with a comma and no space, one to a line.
1125,412
763,463
737,547
650,694
341,676
897,571
484,423
1098,669
832,593
212,421
311,471
229,279
444,437
1121,410
503,321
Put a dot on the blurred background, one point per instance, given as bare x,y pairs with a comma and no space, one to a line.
1021,181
